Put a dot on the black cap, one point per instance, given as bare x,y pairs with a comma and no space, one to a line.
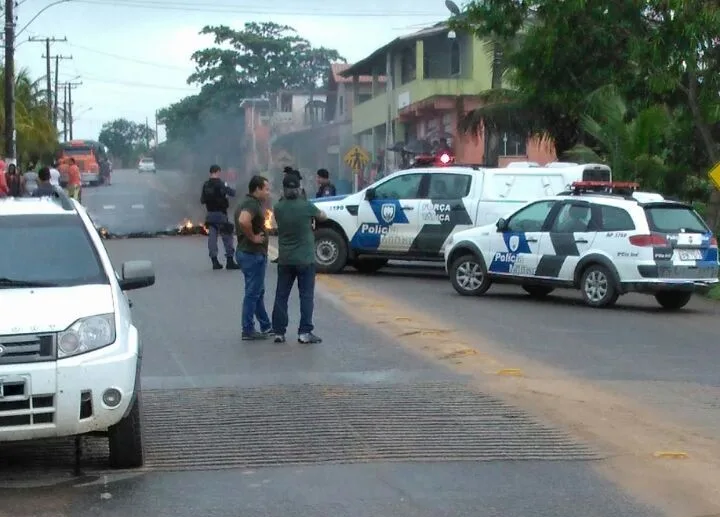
323,173
291,181
289,171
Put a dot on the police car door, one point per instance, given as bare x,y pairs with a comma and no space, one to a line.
442,212
571,233
389,222
514,249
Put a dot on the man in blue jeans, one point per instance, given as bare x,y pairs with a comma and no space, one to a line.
296,259
251,254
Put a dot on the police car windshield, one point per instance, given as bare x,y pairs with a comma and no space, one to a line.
47,250
675,219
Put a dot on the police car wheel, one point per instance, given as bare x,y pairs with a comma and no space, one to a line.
330,251
125,440
672,301
468,275
537,291
369,265
598,286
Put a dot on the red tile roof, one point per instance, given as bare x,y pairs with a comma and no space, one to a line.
338,68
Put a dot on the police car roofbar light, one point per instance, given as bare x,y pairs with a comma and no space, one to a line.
623,188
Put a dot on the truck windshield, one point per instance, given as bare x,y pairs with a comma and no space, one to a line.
77,151
47,250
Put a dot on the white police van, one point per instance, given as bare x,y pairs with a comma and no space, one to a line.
409,215
70,355
605,239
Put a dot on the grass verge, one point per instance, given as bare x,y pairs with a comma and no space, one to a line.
714,293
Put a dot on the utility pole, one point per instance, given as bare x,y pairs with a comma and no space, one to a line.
147,133
156,130
55,96
10,148
68,122
65,90
49,73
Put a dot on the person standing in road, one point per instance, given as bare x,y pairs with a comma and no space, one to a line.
296,260
251,254
215,193
44,188
289,171
14,181
325,187
30,182
74,181
54,174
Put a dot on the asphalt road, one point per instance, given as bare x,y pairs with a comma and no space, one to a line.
144,202
361,412
668,360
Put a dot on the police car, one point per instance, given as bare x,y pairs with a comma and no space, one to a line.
69,353
605,239
409,215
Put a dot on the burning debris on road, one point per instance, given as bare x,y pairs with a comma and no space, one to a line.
186,228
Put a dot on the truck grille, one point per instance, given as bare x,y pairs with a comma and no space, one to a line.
19,409
27,348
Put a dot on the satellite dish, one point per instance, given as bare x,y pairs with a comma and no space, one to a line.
452,7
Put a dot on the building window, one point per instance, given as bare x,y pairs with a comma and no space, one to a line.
341,105
513,144
455,57
407,65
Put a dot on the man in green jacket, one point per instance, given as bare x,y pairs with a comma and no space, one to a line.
296,260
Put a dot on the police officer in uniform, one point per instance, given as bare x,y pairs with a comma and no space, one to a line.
325,186
215,193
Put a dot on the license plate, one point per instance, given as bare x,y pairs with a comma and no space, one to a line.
689,254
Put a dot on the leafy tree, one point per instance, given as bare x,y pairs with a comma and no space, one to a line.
260,59
570,49
125,139
36,134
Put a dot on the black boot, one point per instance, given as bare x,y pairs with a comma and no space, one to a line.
231,264
216,263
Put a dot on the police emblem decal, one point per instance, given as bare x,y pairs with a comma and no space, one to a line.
514,243
387,211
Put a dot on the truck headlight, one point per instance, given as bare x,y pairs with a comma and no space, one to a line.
86,335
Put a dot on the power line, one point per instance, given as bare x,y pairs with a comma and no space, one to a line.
134,84
129,59
250,9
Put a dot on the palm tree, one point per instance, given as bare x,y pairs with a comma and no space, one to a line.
36,134
632,145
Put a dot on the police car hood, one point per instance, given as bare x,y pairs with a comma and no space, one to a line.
334,199
27,311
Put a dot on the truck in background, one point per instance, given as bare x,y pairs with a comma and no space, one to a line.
88,155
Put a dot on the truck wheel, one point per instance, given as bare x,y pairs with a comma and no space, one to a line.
331,251
598,286
672,301
537,291
468,275
370,265
125,440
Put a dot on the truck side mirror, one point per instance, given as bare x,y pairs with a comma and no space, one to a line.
370,194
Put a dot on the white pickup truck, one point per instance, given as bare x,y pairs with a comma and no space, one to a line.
409,215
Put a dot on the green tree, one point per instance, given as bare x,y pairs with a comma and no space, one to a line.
125,139
36,135
571,48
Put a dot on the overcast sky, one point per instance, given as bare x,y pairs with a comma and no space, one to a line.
133,56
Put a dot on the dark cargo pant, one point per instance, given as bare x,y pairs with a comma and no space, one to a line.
219,224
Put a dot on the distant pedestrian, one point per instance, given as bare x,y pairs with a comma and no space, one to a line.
252,256
215,193
14,181
44,188
30,181
74,187
325,187
296,260
55,174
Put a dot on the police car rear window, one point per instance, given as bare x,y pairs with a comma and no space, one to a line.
675,220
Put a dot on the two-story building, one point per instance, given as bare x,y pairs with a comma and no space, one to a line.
434,76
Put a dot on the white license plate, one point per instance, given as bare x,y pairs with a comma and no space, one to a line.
689,254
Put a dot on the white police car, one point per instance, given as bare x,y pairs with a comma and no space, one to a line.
409,215
69,353
603,238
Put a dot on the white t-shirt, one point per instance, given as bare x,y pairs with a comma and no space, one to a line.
54,177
